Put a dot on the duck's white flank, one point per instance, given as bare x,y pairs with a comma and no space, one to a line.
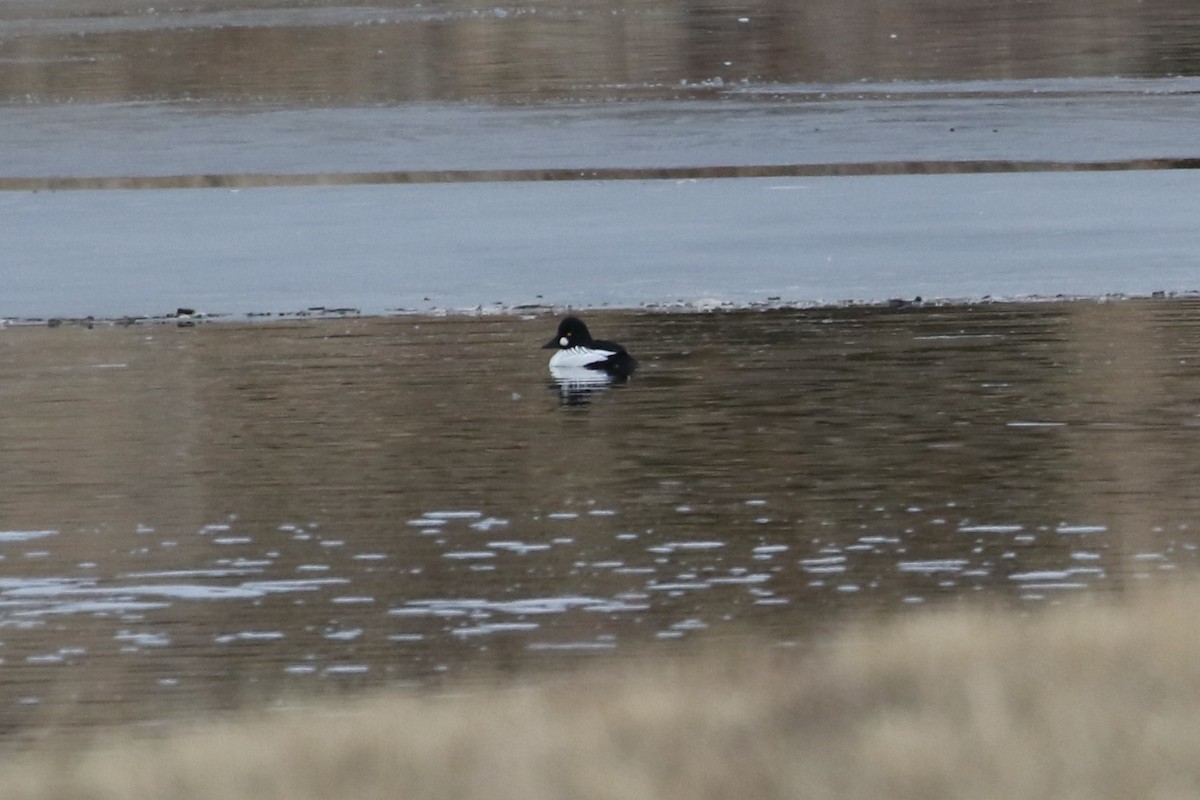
578,357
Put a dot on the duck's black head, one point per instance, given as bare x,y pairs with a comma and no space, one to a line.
571,333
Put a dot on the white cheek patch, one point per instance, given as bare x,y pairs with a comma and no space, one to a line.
563,341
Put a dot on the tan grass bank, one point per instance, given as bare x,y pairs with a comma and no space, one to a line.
1083,702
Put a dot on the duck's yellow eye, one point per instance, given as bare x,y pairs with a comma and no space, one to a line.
564,341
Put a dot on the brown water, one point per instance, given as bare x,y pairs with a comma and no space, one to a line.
386,52
193,518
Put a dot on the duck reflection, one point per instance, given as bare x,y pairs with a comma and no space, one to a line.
578,386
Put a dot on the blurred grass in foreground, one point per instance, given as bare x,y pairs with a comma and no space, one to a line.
1096,700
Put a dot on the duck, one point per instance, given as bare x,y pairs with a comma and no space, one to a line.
575,349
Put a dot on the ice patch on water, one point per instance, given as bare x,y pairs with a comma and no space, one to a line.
181,591
1080,529
469,555
295,585
671,547
994,528
419,610
738,580
9,585
933,565
348,669
494,627
1039,576
1034,590
957,336
347,635
824,565
572,646
25,536
143,639
48,658
531,606
259,636
185,591
299,669
691,624
520,548
93,607
677,586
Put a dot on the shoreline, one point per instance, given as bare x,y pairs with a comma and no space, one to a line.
185,317
849,169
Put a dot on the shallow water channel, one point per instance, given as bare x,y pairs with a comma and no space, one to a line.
196,518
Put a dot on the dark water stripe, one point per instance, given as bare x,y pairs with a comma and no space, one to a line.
255,180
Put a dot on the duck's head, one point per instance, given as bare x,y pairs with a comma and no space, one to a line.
571,333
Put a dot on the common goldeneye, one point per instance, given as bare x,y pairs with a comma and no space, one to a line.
575,349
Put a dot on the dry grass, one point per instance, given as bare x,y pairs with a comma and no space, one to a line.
1099,701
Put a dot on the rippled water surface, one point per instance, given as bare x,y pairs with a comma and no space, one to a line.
191,518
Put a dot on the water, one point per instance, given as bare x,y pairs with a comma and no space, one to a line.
330,53
196,518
